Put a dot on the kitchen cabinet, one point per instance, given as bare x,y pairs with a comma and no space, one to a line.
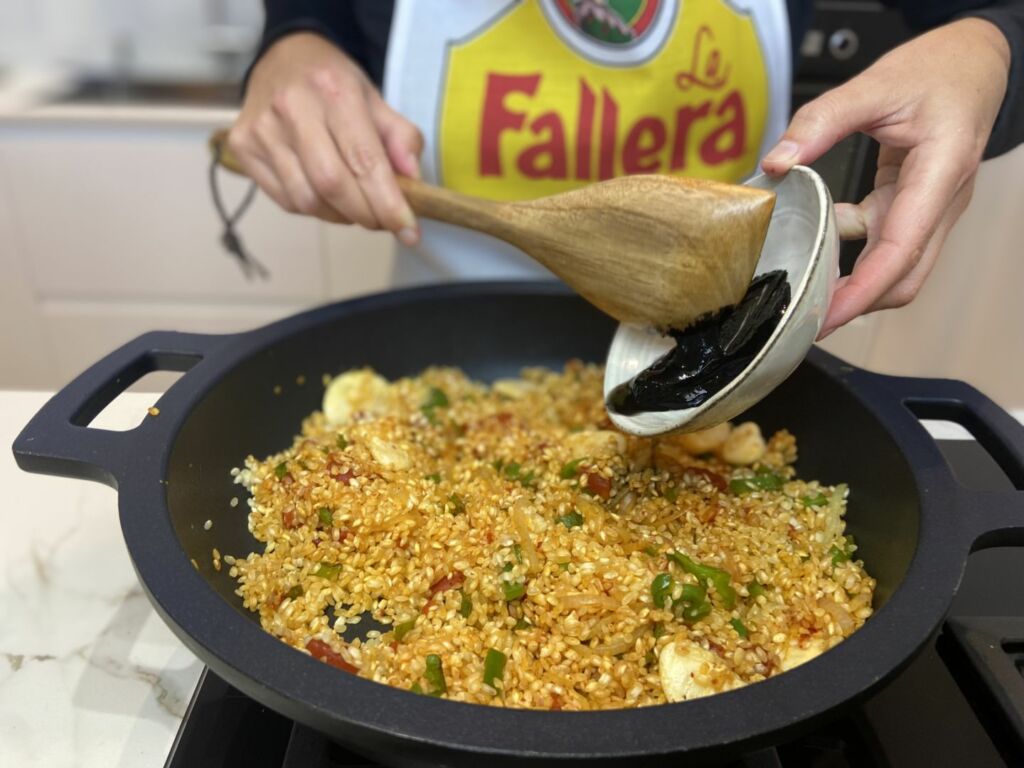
108,230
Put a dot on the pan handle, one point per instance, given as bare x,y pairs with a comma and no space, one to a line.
59,441
994,518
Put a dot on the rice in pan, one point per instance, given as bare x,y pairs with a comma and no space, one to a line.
523,553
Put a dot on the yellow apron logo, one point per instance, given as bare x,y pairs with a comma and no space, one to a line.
524,115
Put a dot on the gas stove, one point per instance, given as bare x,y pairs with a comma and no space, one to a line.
961,702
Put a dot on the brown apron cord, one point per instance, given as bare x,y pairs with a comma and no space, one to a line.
229,238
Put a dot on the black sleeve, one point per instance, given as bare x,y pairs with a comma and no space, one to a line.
1008,16
358,27
1008,130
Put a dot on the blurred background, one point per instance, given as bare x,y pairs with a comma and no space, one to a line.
107,229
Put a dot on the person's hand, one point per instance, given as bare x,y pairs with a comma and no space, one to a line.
317,137
931,104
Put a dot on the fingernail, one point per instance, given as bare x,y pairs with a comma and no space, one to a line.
783,152
408,236
407,218
828,328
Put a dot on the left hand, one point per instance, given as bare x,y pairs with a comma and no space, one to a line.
931,104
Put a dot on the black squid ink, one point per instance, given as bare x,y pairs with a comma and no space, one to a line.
708,354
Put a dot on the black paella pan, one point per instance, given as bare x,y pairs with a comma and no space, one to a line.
914,524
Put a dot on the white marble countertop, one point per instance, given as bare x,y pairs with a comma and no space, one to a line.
90,676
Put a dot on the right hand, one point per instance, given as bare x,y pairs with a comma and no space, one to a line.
317,137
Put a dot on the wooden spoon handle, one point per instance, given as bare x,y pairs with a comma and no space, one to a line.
218,143
425,199
442,204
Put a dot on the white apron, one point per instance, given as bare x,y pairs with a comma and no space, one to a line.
518,99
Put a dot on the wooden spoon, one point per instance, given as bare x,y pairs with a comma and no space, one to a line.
651,250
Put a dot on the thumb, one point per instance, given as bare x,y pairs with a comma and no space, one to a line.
402,140
820,124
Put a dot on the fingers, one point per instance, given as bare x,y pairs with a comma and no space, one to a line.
290,173
268,161
322,166
821,124
402,140
851,222
317,137
267,180
911,218
907,288
854,222
364,158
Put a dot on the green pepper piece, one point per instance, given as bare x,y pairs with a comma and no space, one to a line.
403,629
572,520
672,494
707,573
528,480
838,555
494,666
434,476
570,469
466,605
513,590
659,630
518,552
765,480
768,479
693,593
416,688
281,469
815,501
694,613
756,589
342,442
512,470
741,486
295,592
740,628
434,674
844,553
458,506
327,571
325,515
436,398
564,566
661,589
650,551
522,623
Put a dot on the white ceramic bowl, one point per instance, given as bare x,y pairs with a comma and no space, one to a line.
802,239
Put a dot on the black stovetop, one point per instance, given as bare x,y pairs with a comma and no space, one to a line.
960,703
